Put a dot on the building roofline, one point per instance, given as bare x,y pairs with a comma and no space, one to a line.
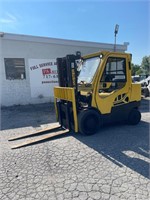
49,40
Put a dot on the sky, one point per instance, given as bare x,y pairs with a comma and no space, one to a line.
84,20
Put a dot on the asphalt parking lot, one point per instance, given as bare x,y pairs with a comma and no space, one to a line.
112,164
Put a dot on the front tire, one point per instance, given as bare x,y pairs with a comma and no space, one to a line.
89,121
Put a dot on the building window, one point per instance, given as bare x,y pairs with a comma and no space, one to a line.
15,68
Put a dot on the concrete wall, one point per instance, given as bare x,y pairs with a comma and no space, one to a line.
14,92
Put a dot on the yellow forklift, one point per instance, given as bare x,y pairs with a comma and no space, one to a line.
94,90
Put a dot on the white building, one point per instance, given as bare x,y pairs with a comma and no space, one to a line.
28,69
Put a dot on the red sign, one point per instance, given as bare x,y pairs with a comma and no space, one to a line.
46,71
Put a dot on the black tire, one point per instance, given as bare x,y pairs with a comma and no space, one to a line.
89,121
134,117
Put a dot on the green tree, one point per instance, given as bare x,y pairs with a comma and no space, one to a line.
145,65
139,71
134,69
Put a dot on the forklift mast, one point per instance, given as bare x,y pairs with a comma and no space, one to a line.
67,70
67,79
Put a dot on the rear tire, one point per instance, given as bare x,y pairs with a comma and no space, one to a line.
89,121
134,117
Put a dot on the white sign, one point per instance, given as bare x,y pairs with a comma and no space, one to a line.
43,77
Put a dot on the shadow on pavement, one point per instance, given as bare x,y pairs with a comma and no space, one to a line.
27,115
123,145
